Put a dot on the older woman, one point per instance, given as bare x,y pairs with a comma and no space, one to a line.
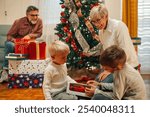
113,32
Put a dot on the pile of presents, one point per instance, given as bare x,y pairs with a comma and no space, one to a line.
27,64
33,50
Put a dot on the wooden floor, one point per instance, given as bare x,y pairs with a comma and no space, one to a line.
37,94
20,94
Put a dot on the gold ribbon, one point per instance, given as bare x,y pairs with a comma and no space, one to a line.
37,50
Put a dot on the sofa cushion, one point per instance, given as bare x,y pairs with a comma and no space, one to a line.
2,54
4,29
2,41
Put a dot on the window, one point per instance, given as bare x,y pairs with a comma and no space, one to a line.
49,11
144,33
50,14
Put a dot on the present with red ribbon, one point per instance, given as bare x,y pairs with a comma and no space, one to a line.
21,46
37,50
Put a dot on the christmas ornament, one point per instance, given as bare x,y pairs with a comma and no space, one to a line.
77,31
70,5
82,41
62,6
79,13
89,25
74,20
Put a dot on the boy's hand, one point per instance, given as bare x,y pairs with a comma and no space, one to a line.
90,91
93,82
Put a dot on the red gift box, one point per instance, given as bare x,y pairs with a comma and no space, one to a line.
21,46
37,50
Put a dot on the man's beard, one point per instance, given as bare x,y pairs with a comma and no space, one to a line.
33,22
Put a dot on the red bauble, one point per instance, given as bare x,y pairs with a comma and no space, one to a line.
67,39
62,6
63,20
62,14
69,34
59,35
65,29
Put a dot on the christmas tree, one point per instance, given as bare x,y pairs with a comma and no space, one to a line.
77,31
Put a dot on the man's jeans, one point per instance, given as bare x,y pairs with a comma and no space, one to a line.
9,48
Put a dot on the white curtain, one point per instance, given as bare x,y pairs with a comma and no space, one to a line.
144,33
50,13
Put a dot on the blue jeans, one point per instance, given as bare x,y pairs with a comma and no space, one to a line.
9,48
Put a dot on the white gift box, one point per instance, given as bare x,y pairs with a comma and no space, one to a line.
27,66
77,89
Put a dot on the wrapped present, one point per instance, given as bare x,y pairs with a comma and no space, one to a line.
25,80
37,50
21,46
27,66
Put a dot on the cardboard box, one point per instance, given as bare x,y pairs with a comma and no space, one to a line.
77,89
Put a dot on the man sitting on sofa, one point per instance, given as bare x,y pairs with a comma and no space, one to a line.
28,27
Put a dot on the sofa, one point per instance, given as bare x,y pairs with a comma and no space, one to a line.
3,35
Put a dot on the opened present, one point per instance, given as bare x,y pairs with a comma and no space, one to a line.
77,89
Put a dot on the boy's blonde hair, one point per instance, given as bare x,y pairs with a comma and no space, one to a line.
58,47
98,12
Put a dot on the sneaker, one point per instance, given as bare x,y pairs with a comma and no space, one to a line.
4,76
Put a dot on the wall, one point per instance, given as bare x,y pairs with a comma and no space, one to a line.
114,8
13,9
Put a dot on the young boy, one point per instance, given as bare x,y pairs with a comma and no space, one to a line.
105,77
55,76
128,83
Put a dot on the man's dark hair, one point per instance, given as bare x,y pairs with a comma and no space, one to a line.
31,8
113,56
